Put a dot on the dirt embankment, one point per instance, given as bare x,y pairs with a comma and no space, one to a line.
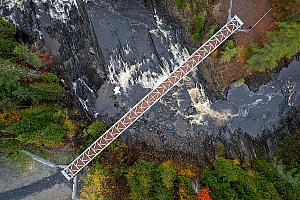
218,75
249,11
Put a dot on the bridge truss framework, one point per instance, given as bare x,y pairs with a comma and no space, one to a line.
152,97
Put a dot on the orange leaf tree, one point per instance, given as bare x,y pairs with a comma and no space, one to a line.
203,194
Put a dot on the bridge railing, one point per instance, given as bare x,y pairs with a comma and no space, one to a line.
152,97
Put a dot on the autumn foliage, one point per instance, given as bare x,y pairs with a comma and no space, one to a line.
47,59
204,194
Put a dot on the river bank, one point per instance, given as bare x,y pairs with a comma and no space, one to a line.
109,54
109,58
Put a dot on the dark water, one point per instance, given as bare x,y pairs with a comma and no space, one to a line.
255,111
111,53
183,118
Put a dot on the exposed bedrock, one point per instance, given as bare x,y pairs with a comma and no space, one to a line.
111,53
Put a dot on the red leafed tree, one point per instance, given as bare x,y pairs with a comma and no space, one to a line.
203,194
47,59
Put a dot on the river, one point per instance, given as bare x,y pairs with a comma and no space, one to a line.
111,53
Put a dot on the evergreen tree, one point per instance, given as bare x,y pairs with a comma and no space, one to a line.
282,43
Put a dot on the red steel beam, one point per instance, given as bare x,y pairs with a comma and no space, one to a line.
152,97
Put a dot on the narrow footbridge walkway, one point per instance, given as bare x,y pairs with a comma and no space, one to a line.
152,97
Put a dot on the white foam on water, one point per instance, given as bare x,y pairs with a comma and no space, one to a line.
150,79
123,75
12,3
58,9
180,54
127,48
82,101
203,108
244,109
117,90
291,89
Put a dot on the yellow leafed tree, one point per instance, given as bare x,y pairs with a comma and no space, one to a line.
95,187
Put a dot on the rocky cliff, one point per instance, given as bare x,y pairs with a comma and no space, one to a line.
111,53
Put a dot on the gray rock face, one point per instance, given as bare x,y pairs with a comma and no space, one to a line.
111,53
65,32
137,46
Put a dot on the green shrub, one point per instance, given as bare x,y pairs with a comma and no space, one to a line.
288,186
229,44
230,181
9,146
95,186
185,187
26,127
212,30
178,3
47,91
9,77
294,169
199,26
191,22
95,130
140,180
228,54
282,43
239,82
22,52
229,51
52,135
50,77
22,93
117,146
34,119
39,92
196,36
148,181
7,29
20,160
7,47
200,22
40,125
288,150
164,177
167,175
45,112
266,188
7,103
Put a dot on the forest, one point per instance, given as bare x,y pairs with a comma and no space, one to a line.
34,116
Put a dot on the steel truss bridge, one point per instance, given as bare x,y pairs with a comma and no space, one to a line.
152,97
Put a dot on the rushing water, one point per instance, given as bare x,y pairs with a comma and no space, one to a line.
138,47
141,51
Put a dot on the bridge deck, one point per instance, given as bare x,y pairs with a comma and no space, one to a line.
152,97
